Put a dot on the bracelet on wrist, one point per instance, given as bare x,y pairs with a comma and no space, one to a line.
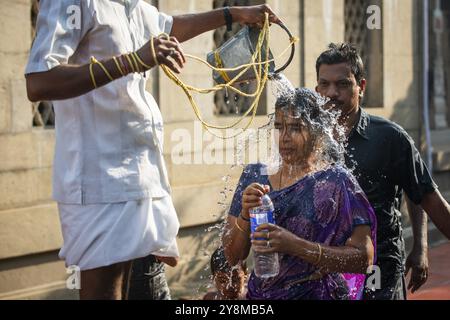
228,18
243,218
239,227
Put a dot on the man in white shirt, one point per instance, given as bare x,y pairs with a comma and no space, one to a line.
110,179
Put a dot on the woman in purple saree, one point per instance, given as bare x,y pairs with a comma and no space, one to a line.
325,227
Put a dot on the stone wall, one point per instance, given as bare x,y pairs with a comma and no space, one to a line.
29,228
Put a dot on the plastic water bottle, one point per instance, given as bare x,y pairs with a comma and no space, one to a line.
266,264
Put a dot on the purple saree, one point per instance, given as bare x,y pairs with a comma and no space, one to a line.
324,208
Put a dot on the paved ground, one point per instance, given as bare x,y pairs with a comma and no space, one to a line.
436,288
438,285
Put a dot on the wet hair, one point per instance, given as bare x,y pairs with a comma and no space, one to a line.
342,53
219,262
304,101
306,105
309,108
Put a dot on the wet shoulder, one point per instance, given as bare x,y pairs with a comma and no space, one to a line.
258,168
337,175
380,126
255,173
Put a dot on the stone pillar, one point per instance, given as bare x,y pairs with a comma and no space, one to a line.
174,105
439,101
323,24
15,41
29,225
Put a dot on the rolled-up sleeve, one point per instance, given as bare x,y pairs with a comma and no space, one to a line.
157,22
410,170
165,23
61,26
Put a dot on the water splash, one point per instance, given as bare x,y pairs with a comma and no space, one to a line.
323,123
281,86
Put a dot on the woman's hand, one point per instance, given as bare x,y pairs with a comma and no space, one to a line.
252,198
168,52
270,238
254,15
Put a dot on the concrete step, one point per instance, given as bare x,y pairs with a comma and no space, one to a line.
446,196
435,237
40,276
441,150
50,291
438,285
441,138
442,179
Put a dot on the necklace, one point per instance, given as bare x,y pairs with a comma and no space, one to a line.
281,177
303,174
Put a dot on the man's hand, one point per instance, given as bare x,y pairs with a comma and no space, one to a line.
188,26
168,52
254,15
417,262
170,261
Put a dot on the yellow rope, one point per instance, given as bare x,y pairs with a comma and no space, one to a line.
135,54
133,58
219,63
130,63
292,41
153,51
260,67
91,71
118,66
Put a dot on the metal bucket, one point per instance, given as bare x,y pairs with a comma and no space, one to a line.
238,51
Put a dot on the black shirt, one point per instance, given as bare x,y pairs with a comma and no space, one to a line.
386,162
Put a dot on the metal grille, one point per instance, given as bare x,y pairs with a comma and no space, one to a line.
356,31
43,113
228,102
370,47
34,14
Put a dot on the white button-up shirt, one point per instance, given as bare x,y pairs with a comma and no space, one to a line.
108,141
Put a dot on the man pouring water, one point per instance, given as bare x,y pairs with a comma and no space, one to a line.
110,179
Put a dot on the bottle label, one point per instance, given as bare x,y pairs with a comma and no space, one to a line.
259,218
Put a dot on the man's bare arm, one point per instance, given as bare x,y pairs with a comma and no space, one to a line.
189,26
438,210
417,260
69,81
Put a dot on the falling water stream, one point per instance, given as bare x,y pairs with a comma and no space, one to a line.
330,151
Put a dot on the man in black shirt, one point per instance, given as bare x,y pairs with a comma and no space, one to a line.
386,164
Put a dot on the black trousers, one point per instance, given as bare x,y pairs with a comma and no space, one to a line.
148,280
393,283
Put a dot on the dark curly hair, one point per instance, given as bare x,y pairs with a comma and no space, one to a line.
342,53
219,262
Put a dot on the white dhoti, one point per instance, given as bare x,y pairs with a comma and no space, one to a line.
102,235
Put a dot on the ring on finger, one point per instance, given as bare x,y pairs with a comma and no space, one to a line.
172,52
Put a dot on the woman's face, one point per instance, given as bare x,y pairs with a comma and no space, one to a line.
293,136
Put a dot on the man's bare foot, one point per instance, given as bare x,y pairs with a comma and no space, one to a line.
170,261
